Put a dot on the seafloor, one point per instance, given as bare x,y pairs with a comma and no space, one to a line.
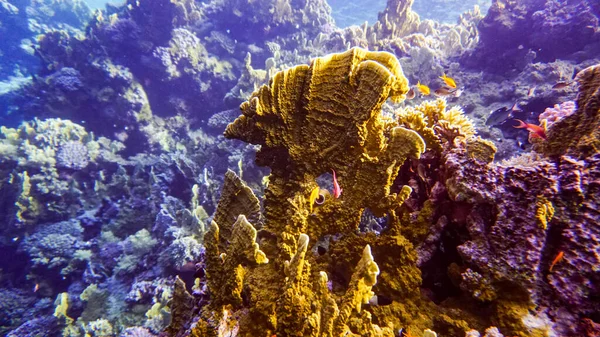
249,168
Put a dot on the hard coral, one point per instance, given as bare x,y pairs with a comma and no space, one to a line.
558,112
526,217
137,332
579,133
298,120
73,155
436,123
306,109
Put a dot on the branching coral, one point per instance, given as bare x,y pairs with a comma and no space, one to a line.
435,123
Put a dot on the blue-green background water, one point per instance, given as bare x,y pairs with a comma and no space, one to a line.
347,13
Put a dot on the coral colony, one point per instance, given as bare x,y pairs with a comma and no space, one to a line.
248,168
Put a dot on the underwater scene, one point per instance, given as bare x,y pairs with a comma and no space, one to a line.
322,168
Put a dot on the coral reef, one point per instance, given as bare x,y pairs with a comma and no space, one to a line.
40,150
369,210
22,21
498,227
546,209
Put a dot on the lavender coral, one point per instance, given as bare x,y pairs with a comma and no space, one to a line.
137,332
559,111
73,155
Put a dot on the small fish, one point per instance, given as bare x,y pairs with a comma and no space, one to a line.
557,259
337,190
314,194
36,288
421,172
499,116
536,131
561,85
425,91
411,94
593,28
531,92
441,92
449,81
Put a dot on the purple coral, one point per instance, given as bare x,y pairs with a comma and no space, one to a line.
575,279
558,112
37,327
137,332
73,155
67,79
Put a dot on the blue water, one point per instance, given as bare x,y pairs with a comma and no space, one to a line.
347,13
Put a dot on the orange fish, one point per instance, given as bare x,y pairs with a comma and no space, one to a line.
337,190
423,89
406,333
536,131
449,81
557,259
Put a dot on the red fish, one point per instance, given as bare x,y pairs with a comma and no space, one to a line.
558,257
535,130
337,190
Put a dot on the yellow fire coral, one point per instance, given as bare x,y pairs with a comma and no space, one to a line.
310,120
227,265
327,116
